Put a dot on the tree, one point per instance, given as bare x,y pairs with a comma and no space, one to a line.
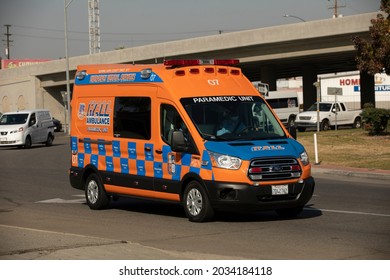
373,56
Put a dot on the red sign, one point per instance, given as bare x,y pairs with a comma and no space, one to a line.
13,63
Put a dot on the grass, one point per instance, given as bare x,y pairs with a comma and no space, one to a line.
348,148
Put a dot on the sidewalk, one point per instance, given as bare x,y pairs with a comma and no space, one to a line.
20,243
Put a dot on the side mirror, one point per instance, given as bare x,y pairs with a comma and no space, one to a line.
177,141
293,131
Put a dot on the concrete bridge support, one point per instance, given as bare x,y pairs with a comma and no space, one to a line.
309,90
367,89
268,76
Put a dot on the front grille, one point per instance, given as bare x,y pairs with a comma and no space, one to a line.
7,142
305,118
268,169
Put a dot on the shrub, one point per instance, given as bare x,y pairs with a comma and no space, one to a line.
375,120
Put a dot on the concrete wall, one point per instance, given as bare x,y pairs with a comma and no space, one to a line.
18,94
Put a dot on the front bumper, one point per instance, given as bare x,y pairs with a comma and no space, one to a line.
305,124
227,196
14,139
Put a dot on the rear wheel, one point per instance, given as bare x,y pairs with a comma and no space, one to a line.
49,140
357,123
291,121
196,203
95,194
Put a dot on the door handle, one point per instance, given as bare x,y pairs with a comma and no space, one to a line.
158,152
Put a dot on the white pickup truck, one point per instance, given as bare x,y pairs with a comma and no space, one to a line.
331,114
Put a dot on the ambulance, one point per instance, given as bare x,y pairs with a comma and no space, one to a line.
194,132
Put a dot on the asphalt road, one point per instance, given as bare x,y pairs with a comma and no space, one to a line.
42,217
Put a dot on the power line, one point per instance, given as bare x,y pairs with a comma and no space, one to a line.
132,33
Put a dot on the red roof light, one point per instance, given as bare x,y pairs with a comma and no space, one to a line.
193,62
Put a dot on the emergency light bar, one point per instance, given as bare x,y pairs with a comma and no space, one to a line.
194,62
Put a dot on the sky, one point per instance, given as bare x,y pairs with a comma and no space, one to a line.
37,26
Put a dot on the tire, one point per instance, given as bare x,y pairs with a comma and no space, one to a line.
357,123
49,141
196,203
325,125
291,121
289,212
27,143
95,194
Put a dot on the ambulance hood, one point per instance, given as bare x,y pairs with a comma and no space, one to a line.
247,150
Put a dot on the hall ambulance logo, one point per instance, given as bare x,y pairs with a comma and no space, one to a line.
95,113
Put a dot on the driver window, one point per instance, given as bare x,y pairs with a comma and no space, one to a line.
33,120
171,120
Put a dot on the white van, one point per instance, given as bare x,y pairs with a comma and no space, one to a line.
25,128
285,104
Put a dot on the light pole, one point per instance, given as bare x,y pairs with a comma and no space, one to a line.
67,108
301,19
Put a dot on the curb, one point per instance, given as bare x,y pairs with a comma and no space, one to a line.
377,174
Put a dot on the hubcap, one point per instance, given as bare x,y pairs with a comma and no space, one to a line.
194,202
92,192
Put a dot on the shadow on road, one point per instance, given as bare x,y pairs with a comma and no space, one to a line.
176,210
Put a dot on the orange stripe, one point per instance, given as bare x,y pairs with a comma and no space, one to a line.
142,193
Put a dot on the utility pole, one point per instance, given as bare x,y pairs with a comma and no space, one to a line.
335,9
94,26
7,52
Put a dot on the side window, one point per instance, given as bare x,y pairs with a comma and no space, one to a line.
292,102
132,117
343,107
170,120
33,120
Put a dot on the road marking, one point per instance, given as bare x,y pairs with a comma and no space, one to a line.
82,200
349,212
61,200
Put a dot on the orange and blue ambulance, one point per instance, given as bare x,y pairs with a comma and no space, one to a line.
194,132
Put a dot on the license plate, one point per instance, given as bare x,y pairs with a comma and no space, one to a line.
279,189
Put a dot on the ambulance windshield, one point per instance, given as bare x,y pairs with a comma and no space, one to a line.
229,118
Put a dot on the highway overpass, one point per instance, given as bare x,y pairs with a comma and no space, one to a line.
267,54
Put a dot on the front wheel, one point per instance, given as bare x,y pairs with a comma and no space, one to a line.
325,125
27,143
196,203
95,194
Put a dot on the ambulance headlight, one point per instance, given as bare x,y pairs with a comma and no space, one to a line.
225,161
304,158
